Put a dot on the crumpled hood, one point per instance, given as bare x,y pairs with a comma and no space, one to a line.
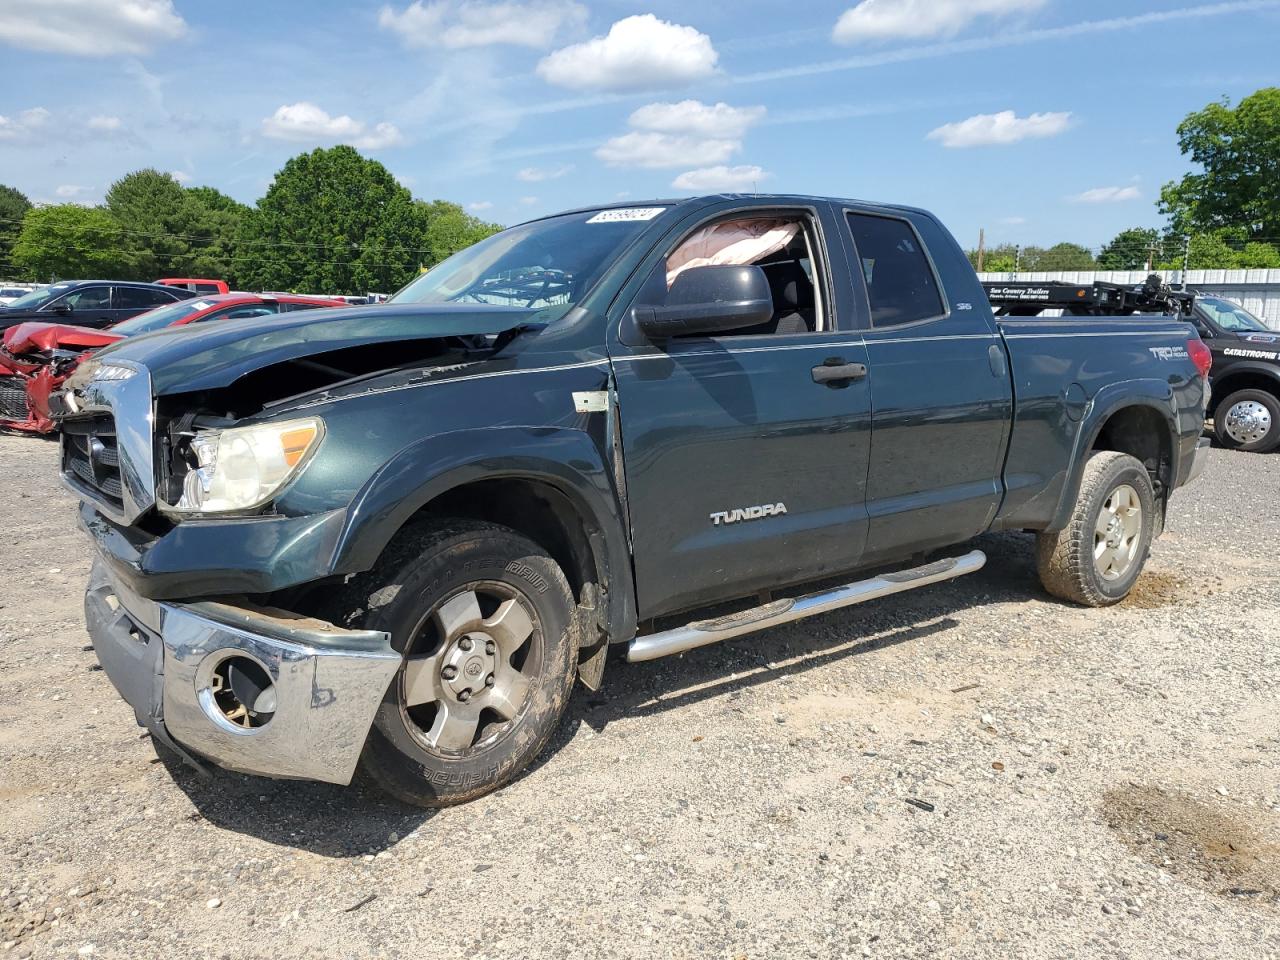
30,337
209,356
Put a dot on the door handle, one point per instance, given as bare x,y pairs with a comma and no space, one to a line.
836,371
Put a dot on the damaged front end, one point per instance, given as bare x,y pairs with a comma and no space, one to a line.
35,360
216,473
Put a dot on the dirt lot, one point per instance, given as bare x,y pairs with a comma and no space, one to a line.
1086,783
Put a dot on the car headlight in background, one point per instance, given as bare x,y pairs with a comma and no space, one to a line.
241,468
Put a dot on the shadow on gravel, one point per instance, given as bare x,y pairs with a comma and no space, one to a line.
321,818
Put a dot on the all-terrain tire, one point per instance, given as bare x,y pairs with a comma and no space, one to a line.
1068,559
1265,409
419,573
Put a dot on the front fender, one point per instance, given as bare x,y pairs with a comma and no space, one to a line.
1153,393
565,459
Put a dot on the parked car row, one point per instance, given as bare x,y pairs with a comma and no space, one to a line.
36,355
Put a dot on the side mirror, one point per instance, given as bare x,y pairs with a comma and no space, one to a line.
709,300
62,308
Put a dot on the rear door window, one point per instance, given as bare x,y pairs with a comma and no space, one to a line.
140,298
901,285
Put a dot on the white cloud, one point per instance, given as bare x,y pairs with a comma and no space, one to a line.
1013,221
657,150
306,122
914,19
471,23
181,176
696,118
1107,195
24,126
105,124
538,174
480,205
718,178
987,129
90,28
69,191
528,201
638,53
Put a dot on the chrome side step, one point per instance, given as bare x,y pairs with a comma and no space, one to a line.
702,632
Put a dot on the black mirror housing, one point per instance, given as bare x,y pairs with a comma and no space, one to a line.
709,300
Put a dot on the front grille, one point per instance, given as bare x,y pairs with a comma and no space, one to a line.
90,455
13,398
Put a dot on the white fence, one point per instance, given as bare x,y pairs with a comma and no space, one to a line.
1258,291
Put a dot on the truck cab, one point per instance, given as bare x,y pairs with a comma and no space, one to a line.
395,536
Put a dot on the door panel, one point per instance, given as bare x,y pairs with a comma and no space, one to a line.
940,420
710,427
941,393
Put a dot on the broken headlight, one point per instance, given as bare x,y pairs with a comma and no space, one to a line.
240,468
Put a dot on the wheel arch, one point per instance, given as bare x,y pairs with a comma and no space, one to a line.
1244,376
550,485
1141,424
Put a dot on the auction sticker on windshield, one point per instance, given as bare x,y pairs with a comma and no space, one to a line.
628,215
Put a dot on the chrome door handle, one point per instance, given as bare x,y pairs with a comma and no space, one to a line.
835,371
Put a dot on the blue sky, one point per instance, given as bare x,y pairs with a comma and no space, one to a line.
1040,120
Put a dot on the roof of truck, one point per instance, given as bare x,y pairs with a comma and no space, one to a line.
692,203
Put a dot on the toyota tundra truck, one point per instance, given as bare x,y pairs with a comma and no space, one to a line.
392,537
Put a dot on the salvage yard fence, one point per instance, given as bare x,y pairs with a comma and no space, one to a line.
1258,291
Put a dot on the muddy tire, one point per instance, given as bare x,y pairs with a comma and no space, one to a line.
486,621
1097,558
1248,420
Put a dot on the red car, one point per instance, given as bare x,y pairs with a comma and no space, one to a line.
35,358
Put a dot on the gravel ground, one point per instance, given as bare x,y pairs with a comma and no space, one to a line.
972,770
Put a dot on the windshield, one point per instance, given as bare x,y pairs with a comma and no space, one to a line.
38,298
1231,317
160,317
546,266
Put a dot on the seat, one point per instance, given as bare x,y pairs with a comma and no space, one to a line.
794,305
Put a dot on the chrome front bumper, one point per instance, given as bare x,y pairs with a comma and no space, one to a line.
162,658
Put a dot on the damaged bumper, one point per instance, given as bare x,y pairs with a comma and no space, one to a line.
251,690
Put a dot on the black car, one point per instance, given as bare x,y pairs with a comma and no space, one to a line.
1246,374
89,303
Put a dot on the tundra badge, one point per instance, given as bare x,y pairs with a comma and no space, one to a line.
721,517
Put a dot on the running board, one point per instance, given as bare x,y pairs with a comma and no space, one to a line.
702,632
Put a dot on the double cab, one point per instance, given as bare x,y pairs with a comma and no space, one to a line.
395,536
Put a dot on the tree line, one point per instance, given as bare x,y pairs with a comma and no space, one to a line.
332,221
1223,216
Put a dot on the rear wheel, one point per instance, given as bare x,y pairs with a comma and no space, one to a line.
1097,558
1248,420
486,622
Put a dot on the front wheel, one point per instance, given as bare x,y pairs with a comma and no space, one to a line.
1248,420
487,624
1097,558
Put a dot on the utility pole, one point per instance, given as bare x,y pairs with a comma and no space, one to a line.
1186,259
1017,258
982,247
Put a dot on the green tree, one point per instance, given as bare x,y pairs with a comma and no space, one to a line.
449,229
13,207
1061,256
216,220
333,221
1238,153
1131,249
68,240
151,209
1002,258
1225,249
